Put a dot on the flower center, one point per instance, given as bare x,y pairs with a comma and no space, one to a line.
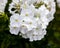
16,20
26,14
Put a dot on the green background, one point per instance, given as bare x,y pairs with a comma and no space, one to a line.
51,40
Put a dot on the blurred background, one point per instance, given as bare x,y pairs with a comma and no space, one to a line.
51,40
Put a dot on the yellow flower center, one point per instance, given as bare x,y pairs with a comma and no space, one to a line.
16,20
26,14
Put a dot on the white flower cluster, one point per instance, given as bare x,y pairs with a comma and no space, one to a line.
30,18
2,5
58,3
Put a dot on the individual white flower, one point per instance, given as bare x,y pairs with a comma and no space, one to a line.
38,33
44,10
15,23
15,20
27,13
58,3
25,6
2,5
14,30
43,18
14,7
51,9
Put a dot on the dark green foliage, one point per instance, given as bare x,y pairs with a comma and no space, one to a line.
51,40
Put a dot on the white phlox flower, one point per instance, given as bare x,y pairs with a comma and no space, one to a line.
35,34
58,3
2,5
30,18
15,23
14,7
